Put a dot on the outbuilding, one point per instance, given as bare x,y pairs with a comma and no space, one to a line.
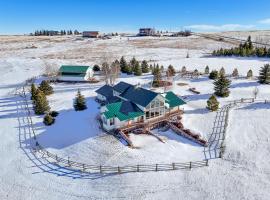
75,73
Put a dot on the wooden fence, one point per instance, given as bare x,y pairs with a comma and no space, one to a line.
86,168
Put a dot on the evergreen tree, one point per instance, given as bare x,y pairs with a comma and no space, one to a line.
145,67
213,75
222,71
132,63
123,65
96,68
206,70
184,69
221,86
137,69
41,104
249,74
212,103
48,120
33,91
157,76
170,71
235,73
46,88
264,75
79,103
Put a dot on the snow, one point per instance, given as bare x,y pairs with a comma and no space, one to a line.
242,174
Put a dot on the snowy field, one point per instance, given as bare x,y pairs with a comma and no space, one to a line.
242,174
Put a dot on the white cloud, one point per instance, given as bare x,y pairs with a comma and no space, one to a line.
264,21
224,27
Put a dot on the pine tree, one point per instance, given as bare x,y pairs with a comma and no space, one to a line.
264,75
33,91
222,71
213,75
137,69
46,88
79,103
235,73
157,76
145,67
206,70
249,74
132,63
170,71
221,86
212,103
41,104
123,65
184,69
48,120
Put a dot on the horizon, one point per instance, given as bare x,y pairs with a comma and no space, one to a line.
24,17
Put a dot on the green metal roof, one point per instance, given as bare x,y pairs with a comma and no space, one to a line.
173,100
73,75
73,69
114,111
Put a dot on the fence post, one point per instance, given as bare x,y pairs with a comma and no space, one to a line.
156,167
119,171
100,169
68,162
206,162
83,167
138,168
190,165
173,166
265,101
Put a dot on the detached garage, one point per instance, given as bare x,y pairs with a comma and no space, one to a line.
75,73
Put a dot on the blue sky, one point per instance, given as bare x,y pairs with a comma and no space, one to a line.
24,16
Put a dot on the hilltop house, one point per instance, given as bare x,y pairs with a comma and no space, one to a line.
91,34
125,104
75,73
147,32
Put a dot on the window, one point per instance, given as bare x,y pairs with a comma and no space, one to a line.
147,115
111,121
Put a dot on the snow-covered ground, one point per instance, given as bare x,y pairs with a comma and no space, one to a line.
242,174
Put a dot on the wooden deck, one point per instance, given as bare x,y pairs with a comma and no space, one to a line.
152,123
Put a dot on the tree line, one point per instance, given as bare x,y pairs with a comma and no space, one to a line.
243,50
52,33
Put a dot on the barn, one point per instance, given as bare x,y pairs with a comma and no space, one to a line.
75,73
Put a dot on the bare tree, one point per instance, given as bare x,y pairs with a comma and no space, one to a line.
106,72
114,71
50,70
255,92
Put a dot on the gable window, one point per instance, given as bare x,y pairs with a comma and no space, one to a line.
111,121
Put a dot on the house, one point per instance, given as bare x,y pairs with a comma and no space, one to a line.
91,34
134,104
147,32
75,73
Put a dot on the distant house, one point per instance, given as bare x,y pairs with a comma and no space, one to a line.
91,34
75,73
147,32
134,104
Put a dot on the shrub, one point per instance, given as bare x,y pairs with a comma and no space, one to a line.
96,68
48,120
46,88
213,74
54,113
250,74
212,103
